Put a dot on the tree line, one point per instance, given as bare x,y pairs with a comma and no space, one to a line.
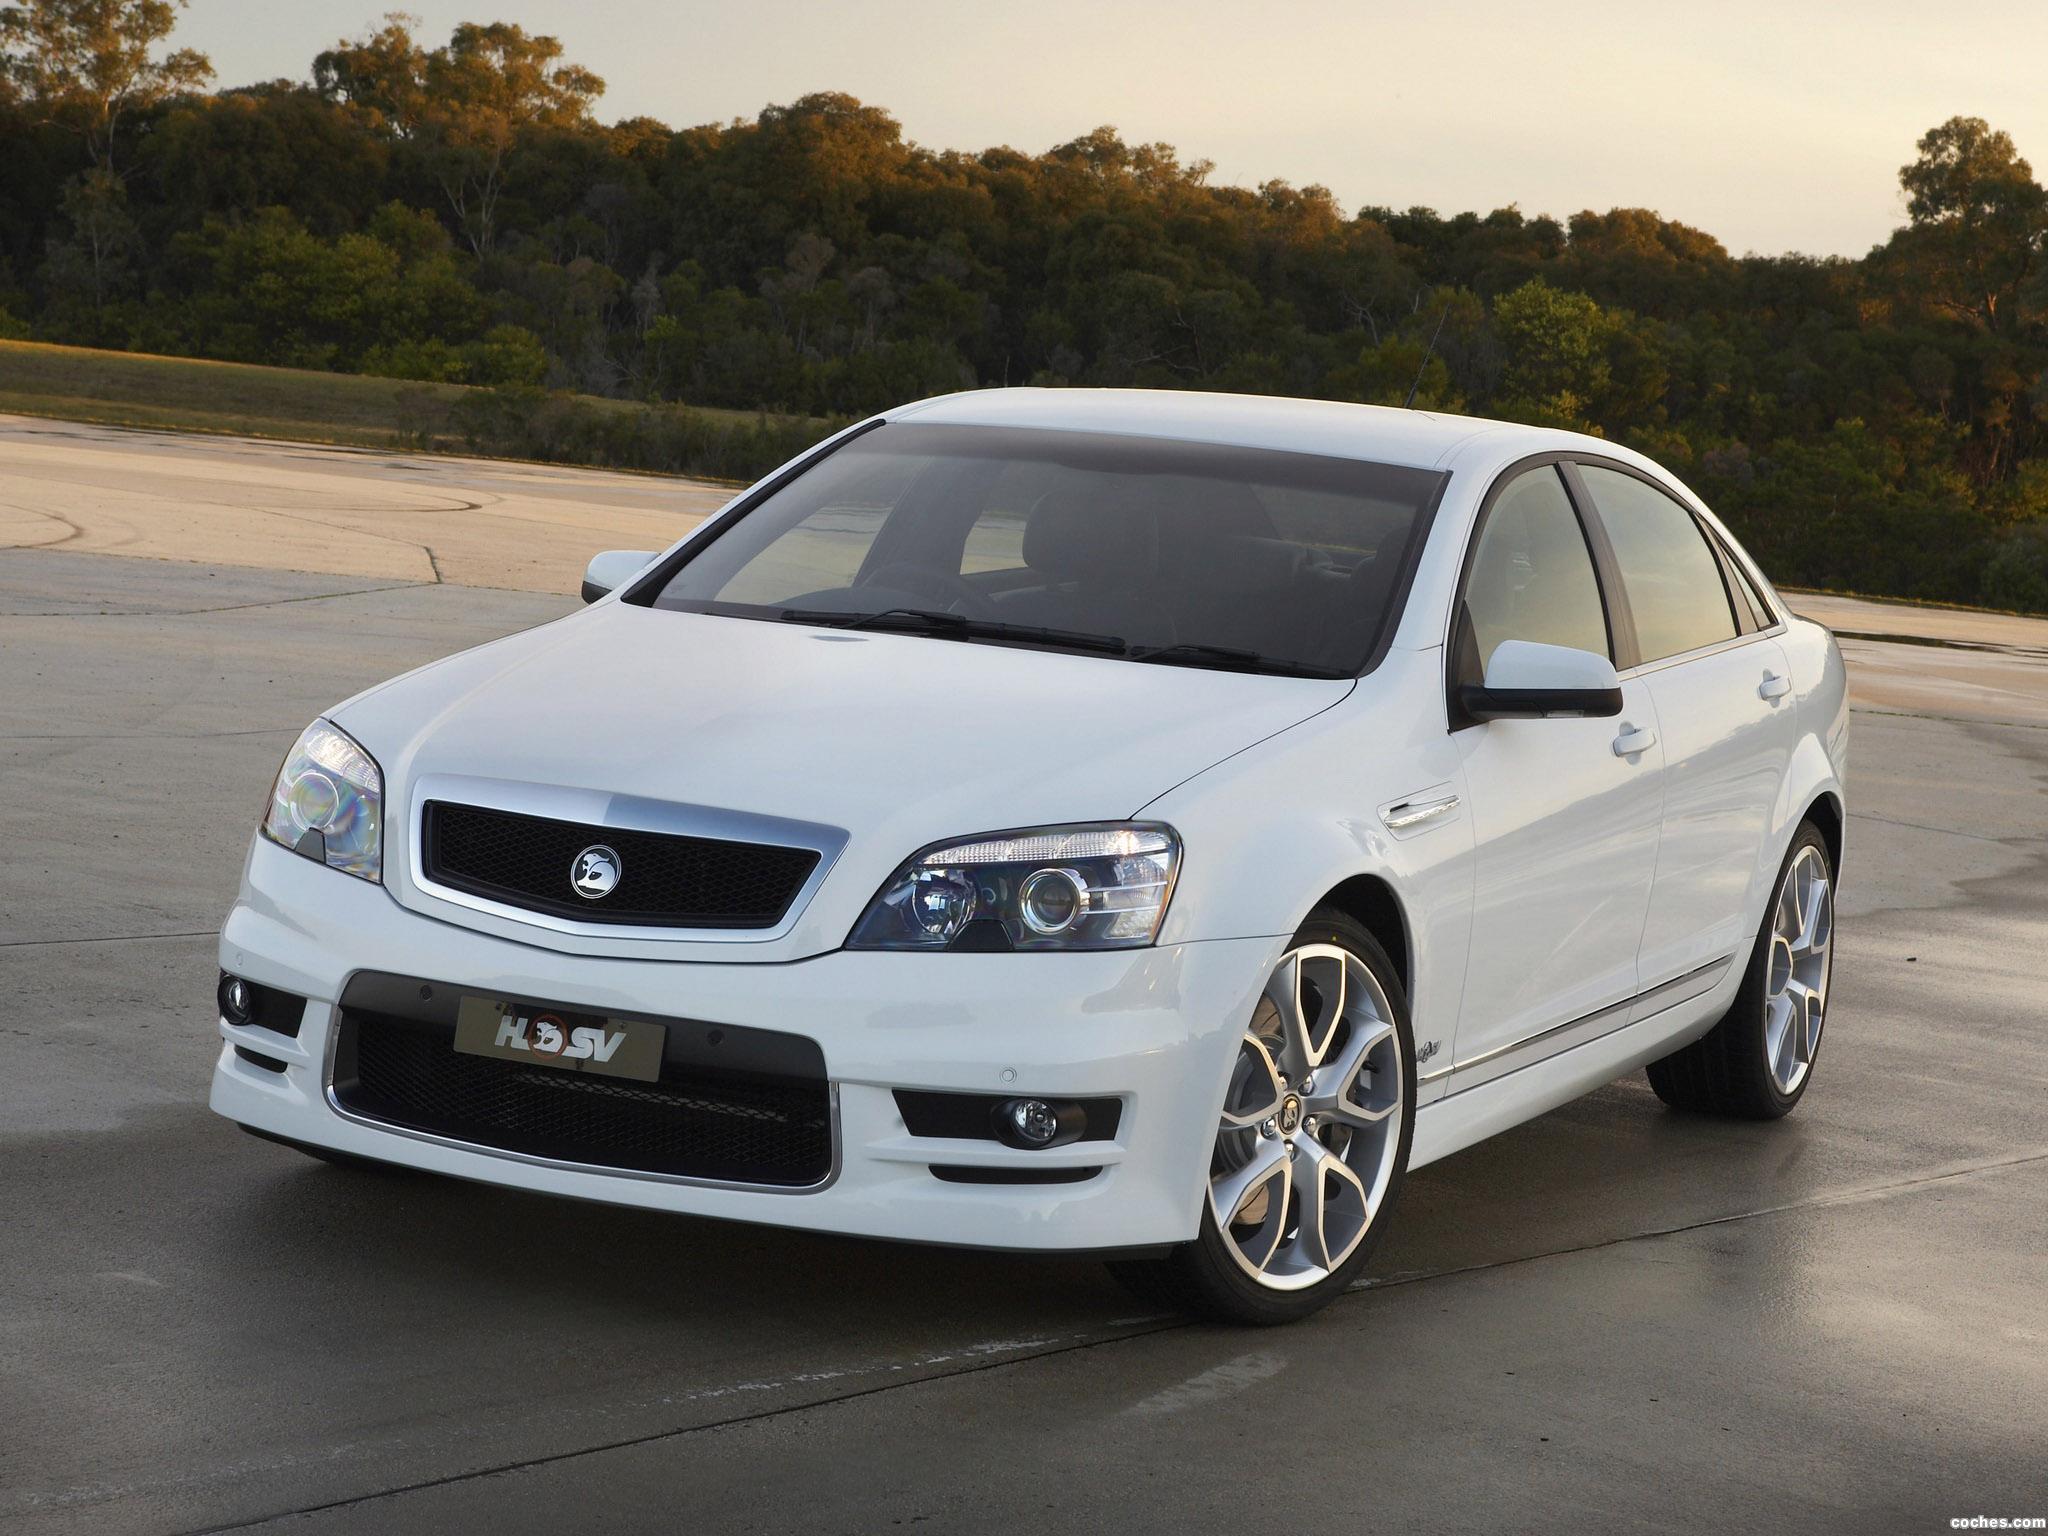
458,212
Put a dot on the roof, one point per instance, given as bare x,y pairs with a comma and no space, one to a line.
1340,430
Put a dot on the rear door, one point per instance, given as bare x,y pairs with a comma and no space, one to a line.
1565,826
1719,682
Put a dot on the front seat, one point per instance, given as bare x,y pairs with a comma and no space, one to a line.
1099,563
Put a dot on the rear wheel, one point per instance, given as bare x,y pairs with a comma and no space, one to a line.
1755,1064
1312,1142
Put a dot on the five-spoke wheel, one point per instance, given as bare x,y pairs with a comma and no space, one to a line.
1310,1122
1757,1061
1796,988
1313,1138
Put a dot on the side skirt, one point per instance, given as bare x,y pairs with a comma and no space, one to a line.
1535,1076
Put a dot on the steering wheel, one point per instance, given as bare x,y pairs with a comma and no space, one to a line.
959,594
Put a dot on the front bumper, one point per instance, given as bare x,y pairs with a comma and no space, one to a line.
1156,1028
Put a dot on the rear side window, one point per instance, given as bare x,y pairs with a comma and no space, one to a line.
1757,605
1674,581
1531,578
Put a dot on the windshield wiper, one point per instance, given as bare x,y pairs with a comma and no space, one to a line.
959,626
1224,658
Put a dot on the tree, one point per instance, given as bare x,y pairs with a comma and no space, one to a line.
453,212
88,64
464,104
95,264
1979,224
1556,352
277,145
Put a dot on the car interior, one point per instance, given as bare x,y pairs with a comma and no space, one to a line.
1208,569
1156,564
1300,572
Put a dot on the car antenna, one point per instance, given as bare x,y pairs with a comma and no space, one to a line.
1427,353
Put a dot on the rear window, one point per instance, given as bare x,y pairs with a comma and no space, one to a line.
1161,546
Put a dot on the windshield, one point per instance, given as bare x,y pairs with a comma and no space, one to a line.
1149,549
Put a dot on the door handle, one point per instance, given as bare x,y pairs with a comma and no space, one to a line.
1410,814
1634,739
1773,686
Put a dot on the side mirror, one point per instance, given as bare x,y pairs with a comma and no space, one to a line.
613,569
1528,681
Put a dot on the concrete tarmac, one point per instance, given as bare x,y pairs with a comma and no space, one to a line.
386,517
1612,1317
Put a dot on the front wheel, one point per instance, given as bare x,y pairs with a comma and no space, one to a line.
1312,1142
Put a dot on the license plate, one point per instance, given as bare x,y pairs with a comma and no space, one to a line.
551,1037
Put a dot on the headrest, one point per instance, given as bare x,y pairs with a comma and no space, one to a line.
1071,538
1236,564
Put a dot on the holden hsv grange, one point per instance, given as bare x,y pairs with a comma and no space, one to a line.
1132,823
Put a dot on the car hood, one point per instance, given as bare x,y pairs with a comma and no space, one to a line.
895,740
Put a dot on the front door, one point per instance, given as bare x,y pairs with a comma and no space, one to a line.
1565,825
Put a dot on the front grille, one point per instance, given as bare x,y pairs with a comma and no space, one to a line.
665,879
742,1128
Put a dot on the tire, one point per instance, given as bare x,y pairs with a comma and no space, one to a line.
1757,1062
1361,1116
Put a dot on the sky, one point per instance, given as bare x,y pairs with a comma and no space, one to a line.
1775,127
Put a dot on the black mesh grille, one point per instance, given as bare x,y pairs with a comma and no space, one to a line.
664,880
746,1129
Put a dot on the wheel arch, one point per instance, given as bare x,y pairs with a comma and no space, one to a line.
1825,812
1372,901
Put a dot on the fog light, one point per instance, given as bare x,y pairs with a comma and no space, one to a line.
1034,1120
237,1001
1052,900
1034,1123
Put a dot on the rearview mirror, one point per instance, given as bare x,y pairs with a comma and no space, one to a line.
1526,680
613,569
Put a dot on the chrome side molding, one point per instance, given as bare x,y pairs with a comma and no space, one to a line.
1503,1059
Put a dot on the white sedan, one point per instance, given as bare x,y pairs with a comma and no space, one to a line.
1136,823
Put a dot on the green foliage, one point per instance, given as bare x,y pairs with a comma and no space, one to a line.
521,421
2016,576
505,355
90,269
454,213
390,298
1555,345
88,64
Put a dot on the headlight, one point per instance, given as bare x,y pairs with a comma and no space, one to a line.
328,803
1082,887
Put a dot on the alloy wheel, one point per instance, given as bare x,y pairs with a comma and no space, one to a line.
1311,1122
1796,984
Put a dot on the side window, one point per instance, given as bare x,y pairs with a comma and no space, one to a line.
1531,577
1762,609
1674,582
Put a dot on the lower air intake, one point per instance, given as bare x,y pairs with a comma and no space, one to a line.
727,1128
